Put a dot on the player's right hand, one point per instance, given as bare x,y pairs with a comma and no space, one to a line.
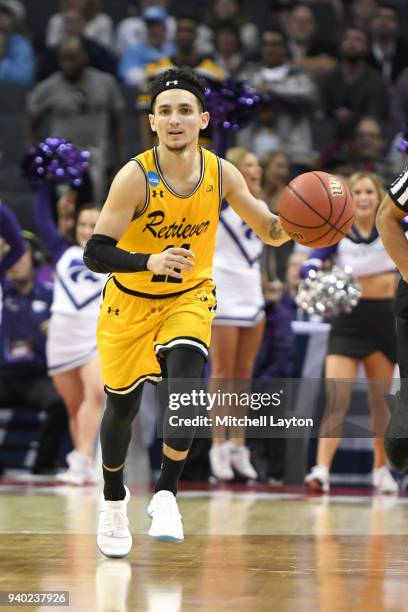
171,262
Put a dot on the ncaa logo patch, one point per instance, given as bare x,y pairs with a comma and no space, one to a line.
153,178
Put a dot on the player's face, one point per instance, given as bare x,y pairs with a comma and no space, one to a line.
85,225
366,198
252,173
177,119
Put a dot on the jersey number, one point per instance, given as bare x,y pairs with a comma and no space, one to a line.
163,278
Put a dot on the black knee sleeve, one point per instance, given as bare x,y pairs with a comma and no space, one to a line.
184,363
116,425
181,364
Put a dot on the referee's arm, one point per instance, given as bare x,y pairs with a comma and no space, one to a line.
391,211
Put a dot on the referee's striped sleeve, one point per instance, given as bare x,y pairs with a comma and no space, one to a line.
398,190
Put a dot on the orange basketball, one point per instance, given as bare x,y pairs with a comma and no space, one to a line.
316,209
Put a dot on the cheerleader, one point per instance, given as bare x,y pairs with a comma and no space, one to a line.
72,357
239,324
365,336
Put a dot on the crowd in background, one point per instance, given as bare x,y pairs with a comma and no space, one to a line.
334,76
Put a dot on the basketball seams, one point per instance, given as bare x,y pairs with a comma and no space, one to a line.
327,192
299,197
332,240
329,196
295,205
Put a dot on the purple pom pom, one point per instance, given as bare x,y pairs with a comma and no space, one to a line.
403,145
55,160
232,105
231,102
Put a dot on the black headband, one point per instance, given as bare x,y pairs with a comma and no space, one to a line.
178,83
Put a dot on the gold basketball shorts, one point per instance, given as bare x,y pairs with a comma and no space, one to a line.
134,331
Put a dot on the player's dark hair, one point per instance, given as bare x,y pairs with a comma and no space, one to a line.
187,79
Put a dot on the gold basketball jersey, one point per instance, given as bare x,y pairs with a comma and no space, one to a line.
172,220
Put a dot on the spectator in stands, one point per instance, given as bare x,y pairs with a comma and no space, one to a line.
367,150
305,49
364,151
228,53
354,89
81,104
17,62
185,56
74,24
362,12
132,30
99,26
226,11
389,51
23,366
399,99
285,121
399,112
135,59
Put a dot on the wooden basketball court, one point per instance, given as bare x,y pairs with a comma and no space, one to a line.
246,549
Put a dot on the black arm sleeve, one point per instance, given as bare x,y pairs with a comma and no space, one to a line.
102,255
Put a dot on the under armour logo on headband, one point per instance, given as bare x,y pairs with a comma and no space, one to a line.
179,83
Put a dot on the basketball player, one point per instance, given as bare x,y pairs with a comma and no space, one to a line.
240,320
159,302
365,335
393,209
72,357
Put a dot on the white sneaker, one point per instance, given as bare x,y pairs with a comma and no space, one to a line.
318,480
166,524
383,480
220,461
80,470
114,538
240,461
